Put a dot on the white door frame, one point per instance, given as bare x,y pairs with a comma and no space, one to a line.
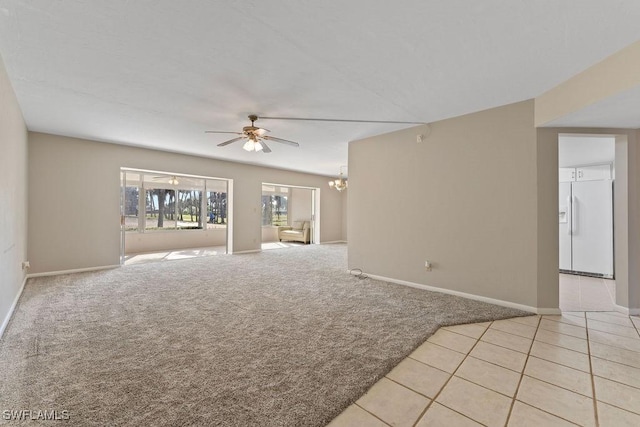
315,208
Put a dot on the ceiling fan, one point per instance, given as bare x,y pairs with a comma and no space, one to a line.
173,180
255,137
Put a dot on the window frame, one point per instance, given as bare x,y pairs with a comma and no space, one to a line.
144,185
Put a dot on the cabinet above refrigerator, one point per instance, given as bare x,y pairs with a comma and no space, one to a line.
586,173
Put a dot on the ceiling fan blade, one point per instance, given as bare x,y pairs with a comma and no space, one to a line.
262,131
222,144
217,131
283,141
265,147
342,120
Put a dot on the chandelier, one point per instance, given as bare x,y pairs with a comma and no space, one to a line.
340,183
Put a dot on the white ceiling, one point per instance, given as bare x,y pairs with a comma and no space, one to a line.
158,73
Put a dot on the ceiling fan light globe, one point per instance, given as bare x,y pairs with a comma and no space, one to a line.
248,146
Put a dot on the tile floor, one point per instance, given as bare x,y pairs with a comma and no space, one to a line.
582,293
575,369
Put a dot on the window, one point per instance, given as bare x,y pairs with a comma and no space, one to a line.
160,209
131,206
189,209
275,205
172,202
216,209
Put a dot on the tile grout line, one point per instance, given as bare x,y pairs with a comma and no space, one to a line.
614,345
465,379
547,412
556,385
617,363
370,413
522,374
422,414
494,364
497,345
591,374
451,375
611,325
613,380
635,326
561,333
615,335
546,382
515,394
422,363
615,405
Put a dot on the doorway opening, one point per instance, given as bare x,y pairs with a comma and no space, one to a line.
166,215
290,216
585,216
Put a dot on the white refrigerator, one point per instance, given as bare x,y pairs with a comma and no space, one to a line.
586,227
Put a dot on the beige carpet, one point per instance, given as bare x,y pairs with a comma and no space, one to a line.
279,338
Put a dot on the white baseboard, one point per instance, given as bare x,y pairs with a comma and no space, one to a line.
7,318
250,251
627,311
466,295
75,270
621,309
332,242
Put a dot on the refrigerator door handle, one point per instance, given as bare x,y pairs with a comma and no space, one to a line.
574,212
569,215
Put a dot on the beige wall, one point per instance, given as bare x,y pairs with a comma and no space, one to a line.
13,203
300,205
345,198
467,199
627,221
546,195
74,198
269,233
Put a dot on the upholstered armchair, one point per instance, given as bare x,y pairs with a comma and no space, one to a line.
298,232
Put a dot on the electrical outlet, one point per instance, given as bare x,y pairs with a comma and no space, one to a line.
427,265
26,265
